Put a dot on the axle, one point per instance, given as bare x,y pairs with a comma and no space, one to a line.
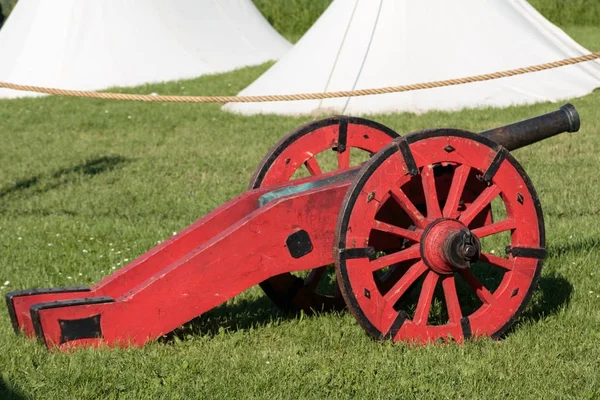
529,131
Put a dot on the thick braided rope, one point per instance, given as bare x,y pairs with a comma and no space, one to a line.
306,96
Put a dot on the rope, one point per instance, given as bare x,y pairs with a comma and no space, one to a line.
306,96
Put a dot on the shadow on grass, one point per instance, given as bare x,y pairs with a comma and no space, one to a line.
7,393
553,293
44,183
241,316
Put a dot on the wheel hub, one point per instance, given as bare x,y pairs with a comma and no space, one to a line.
448,245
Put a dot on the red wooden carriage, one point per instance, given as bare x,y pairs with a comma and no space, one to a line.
407,231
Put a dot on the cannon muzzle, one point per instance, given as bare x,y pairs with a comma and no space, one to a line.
529,131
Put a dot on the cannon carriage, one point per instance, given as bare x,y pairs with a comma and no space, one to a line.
407,230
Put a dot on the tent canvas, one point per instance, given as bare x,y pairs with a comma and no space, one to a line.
363,44
92,45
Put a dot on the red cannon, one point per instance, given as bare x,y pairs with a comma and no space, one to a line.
439,235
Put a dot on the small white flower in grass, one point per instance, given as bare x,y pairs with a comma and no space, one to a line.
102,271
6,283
129,117
112,249
85,251
1,287
591,292
154,94
49,244
68,277
101,256
493,251
570,236
58,235
114,267
110,244
127,259
80,274
20,238
105,111
91,238
268,362
119,252
158,241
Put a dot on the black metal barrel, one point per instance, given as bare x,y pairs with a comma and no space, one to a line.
524,133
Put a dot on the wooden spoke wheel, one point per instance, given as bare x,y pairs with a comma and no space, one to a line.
343,142
459,274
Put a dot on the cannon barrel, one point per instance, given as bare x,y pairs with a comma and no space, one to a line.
529,131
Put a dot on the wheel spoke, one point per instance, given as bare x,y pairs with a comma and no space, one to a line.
452,302
497,261
313,166
312,280
430,192
481,291
409,208
497,227
461,174
425,298
415,235
404,283
413,252
344,159
484,199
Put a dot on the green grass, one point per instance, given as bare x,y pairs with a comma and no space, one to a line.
7,6
292,17
86,185
569,12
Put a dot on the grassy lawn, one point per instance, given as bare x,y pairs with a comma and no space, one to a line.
86,186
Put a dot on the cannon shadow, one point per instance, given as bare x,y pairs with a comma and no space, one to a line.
242,315
553,293
7,393
554,290
46,182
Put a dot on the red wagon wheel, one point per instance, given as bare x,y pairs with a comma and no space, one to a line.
453,285
348,137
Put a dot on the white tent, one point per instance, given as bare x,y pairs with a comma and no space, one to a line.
92,45
361,44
